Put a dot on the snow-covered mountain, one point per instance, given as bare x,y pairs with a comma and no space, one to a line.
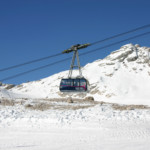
123,77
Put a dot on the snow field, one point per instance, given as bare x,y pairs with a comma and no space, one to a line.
109,135
92,128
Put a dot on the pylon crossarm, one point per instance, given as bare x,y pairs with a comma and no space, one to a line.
77,46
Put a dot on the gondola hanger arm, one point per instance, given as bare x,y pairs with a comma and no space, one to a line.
76,47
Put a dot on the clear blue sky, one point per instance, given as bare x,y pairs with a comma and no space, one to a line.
30,29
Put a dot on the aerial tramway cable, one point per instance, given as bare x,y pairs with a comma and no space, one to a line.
121,34
29,62
32,70
115,43
51,56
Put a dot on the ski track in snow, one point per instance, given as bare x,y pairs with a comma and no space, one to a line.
112,136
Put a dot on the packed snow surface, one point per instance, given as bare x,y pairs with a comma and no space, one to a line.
37,116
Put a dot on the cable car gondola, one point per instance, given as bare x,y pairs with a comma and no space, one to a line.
78,84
